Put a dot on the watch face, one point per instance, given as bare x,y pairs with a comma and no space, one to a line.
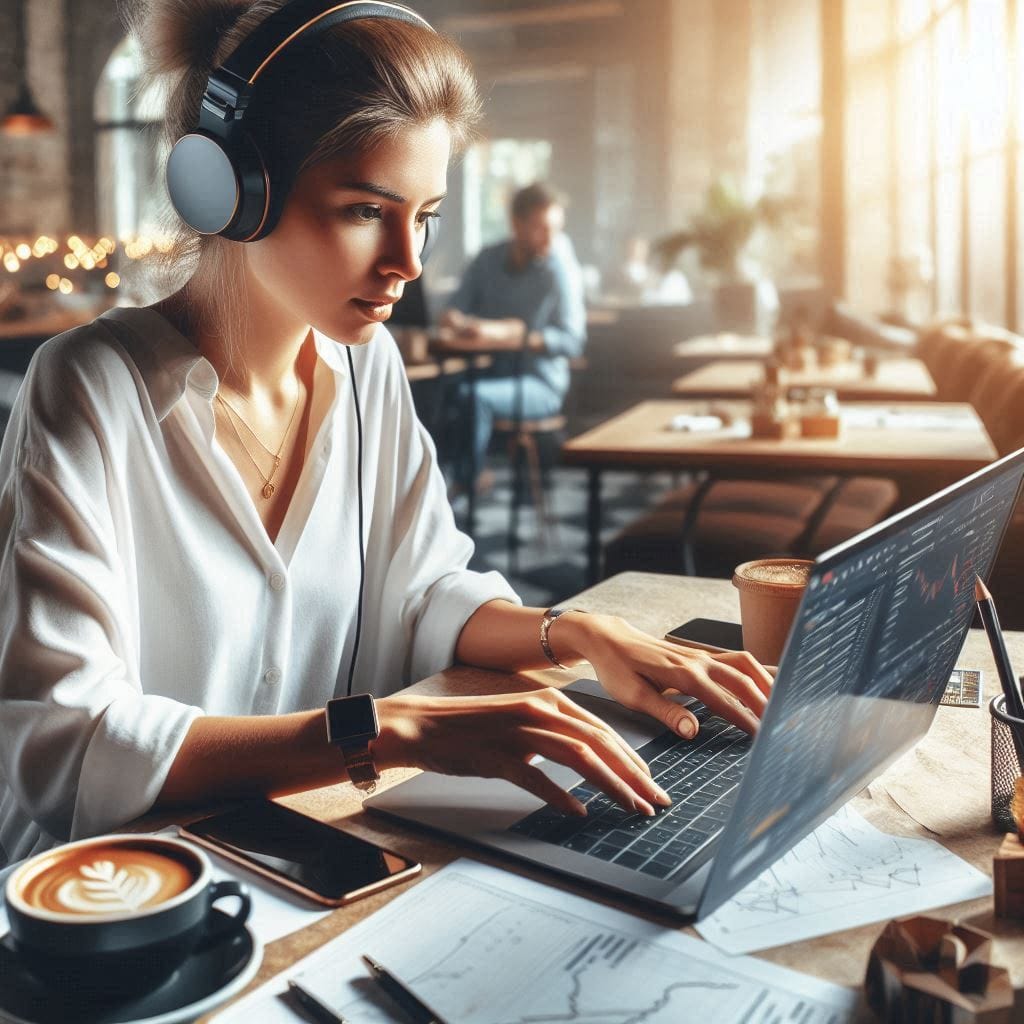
351,718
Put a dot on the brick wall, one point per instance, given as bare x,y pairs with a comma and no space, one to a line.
47,182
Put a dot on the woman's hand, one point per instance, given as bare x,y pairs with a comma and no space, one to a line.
638,669
498,737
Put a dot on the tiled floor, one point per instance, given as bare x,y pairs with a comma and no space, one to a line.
553,568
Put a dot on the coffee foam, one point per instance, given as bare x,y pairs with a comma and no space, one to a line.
111,879
783,573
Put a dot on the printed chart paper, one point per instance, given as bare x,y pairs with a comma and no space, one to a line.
844,874
483,946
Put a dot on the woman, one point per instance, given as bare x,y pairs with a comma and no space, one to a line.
182,497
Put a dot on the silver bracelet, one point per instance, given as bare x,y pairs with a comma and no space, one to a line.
545,624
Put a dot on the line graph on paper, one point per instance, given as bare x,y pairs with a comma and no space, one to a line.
845,873
502,957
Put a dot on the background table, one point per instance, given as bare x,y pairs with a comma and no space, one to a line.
725,346
905,380
950,761
641,438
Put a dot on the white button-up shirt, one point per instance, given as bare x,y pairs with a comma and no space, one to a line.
139,588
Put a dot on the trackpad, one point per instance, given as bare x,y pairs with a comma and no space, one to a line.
633,726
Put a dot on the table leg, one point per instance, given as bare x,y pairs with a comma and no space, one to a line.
690,523
593,525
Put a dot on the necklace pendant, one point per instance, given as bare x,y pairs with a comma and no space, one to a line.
268,490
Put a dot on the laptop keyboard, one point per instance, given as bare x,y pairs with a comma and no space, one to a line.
700,775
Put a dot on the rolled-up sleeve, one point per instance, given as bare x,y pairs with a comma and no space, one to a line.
83,748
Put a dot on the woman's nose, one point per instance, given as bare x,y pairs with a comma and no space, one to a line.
402,252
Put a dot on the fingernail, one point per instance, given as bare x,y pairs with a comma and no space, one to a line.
663,797
644,808
687,729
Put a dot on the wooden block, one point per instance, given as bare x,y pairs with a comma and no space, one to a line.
1008,877
819,426
769,428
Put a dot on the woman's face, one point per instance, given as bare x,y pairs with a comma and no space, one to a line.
351,232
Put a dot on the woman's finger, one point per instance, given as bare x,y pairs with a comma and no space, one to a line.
737,683
533,780
620,781
568,707
676,717
719,701
746,663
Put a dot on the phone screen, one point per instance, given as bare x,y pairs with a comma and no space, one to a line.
308,853
709,633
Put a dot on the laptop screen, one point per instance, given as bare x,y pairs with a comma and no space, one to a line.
877,635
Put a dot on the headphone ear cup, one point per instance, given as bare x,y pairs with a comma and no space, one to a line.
253,216
431,230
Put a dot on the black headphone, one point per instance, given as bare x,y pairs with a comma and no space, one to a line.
217,178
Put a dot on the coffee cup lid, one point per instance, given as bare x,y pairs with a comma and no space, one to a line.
769,575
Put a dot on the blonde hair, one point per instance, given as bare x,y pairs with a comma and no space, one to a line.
362,82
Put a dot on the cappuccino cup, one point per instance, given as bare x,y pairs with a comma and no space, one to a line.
770,590
117,914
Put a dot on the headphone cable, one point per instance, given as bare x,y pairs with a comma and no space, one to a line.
362,549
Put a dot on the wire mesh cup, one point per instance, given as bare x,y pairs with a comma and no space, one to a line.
1006,767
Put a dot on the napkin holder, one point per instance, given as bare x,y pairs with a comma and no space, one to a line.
930,971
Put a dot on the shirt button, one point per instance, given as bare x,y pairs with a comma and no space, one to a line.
277,581
272,676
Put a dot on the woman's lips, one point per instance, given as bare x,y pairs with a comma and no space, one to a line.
376,310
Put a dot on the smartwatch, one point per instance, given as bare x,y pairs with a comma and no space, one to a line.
352,726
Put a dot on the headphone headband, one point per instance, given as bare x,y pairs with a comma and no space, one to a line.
230,85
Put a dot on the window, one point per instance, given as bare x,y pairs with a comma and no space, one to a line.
129,150
932,150
493,171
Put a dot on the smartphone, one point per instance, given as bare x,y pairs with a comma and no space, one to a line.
305,855
708,635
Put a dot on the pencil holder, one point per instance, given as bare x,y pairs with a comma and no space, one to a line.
1005,765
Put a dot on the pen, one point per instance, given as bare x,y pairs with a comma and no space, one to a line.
415,1009
318,1011
1011,690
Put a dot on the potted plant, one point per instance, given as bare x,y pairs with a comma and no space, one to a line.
743,300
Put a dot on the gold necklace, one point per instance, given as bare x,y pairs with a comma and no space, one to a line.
268,485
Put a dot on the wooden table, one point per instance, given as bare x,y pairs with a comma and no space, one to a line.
951,760
725,346
899,380
642,439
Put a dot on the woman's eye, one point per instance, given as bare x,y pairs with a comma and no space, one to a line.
428,215
363,213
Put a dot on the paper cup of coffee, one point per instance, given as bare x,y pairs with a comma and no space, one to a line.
116,915
770,591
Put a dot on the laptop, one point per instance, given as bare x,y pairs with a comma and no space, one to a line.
874,641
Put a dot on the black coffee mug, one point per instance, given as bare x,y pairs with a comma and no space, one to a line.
125,952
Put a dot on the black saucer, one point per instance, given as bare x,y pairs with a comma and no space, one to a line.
205,973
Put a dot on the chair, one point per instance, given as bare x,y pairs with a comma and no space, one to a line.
738,520
525,438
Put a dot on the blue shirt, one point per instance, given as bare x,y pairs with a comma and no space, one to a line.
546,294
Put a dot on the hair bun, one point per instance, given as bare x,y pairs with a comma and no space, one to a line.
181,35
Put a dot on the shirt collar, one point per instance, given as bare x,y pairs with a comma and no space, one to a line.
170,364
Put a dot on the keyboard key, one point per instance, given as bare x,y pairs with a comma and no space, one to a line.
581,843
659,867
605,851
646,847
628,859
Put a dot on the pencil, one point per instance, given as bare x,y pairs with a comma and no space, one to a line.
1011,688
403,996
313,1007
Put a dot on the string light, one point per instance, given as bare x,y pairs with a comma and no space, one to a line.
112,280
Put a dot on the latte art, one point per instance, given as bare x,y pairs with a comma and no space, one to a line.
121,879
104,888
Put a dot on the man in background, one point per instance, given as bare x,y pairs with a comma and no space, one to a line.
522,301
